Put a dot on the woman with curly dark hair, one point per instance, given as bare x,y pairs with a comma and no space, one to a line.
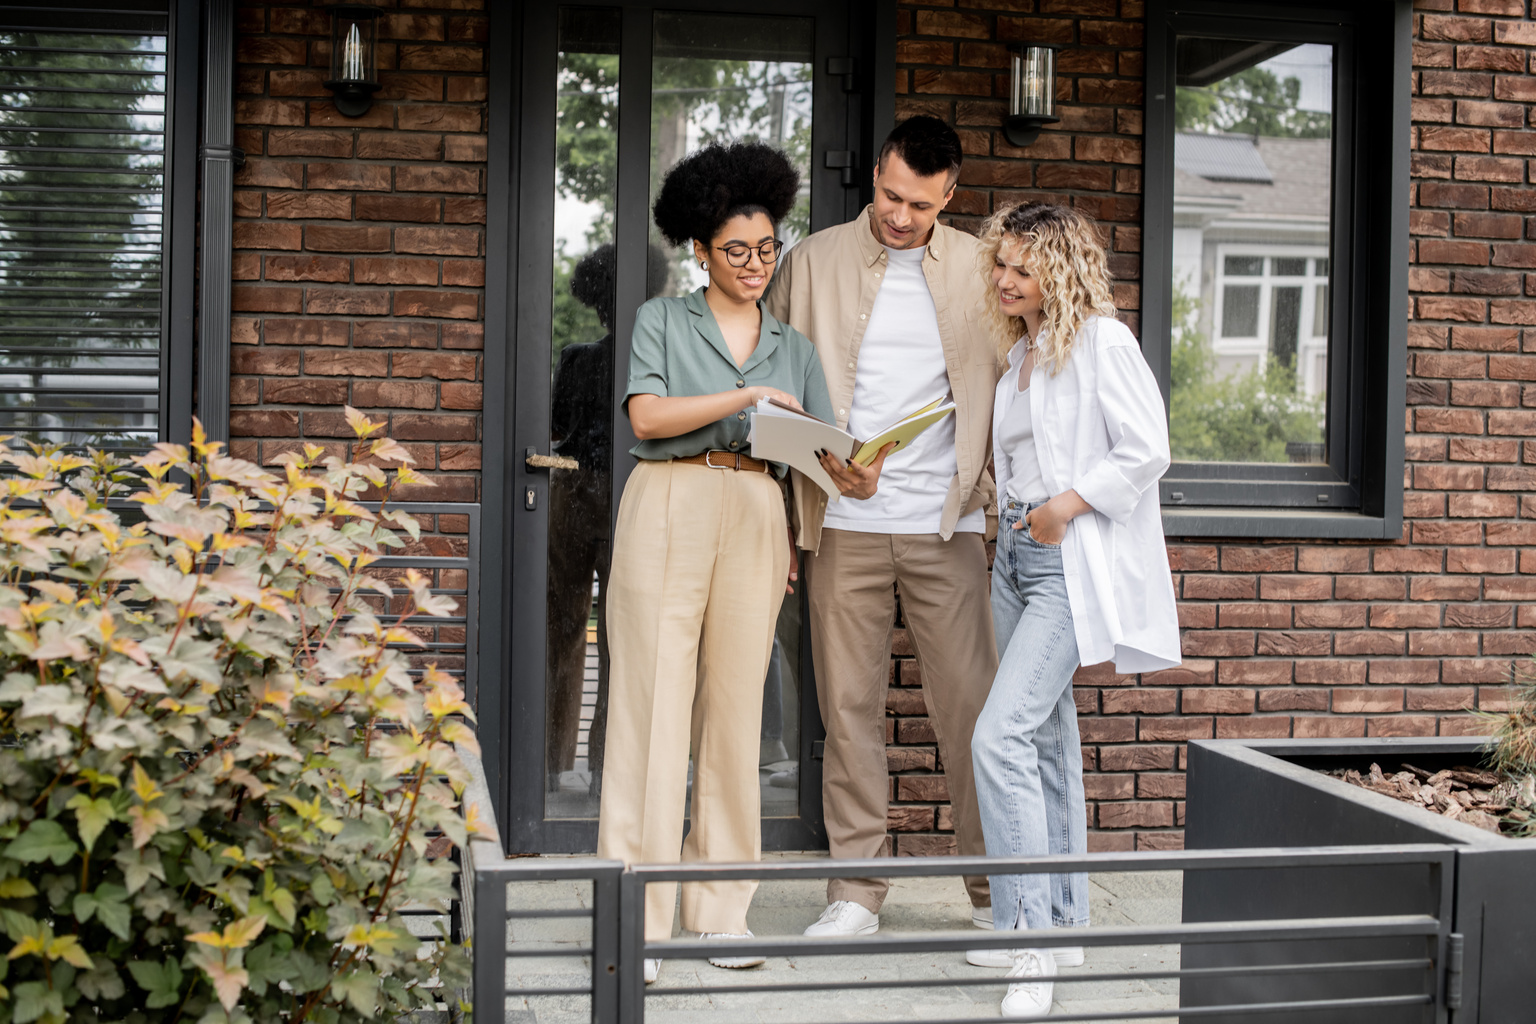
701,550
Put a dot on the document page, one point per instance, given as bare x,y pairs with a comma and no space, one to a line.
784,435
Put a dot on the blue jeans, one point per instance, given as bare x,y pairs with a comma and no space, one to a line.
1026,753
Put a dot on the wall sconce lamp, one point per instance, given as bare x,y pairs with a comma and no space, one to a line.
1031,93
354,58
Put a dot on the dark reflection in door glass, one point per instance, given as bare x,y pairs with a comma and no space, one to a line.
723,78
1252,203
581,408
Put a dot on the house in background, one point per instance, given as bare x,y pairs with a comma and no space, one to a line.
183,195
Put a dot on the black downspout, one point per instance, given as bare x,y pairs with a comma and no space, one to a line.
219,159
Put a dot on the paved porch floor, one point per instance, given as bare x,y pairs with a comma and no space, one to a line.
785,908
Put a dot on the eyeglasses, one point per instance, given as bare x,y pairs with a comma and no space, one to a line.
741,255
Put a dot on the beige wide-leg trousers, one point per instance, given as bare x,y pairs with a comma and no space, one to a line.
700,558
853,580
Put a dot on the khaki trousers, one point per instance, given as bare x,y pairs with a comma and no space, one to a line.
943,584
700,557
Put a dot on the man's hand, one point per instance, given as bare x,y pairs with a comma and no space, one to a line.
852,479
794,563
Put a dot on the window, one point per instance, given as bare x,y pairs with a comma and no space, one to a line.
1276,262
85,166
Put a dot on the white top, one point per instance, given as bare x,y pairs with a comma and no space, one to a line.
1016,442
1100,428
901,368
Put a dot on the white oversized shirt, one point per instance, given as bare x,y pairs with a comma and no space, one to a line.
901,369
1101,429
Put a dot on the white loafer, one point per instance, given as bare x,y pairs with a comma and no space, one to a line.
1029,997
733,963
844,918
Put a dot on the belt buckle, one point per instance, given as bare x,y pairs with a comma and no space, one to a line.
709,459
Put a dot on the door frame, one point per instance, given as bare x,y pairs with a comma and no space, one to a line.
520,155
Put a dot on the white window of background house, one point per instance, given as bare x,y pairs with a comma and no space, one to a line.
1272,303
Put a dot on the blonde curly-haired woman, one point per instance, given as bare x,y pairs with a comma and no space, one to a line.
1080,438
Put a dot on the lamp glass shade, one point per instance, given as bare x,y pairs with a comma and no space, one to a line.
354,45
1032,91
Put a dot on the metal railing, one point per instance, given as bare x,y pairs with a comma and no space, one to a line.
1414,977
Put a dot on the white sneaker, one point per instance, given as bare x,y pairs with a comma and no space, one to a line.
981,917
844,918
1065,956
734,962
652,969
1030,997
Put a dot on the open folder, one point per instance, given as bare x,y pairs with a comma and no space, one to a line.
782,434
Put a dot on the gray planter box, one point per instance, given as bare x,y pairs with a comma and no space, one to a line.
1269,793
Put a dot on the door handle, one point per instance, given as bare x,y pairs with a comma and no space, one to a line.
533,460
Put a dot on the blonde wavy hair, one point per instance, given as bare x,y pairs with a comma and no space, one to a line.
1062,251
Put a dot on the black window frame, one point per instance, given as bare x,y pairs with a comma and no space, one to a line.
1358,493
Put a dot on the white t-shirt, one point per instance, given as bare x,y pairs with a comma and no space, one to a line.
901,368
1016,442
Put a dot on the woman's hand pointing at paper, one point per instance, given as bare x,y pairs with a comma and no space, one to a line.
852,479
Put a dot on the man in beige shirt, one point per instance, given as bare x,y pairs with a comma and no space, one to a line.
894,302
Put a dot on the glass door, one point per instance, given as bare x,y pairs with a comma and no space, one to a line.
613,96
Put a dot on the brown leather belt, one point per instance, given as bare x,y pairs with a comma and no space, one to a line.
719,458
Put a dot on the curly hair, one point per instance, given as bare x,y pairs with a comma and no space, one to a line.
1063,252
592,279
706,189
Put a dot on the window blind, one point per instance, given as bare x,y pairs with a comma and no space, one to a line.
83,144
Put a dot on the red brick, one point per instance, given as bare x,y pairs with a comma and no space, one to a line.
398,86
1486,339
1138,700
348,177
399,146
1135,814
1371,641
264,235
340,363
308,205
436,178
1217,702
1218,644
442,58
345,238
1404,671
308,268
1437,308
1490,58
1505,367
1330,616
420,427
1288,643
1107,730
1376,587
463,89
1258,672
1253,728
1319,727
1477,670
257,299
401,334
1295,588
263,422
437,303
1461,197
1401,725
1220,588
394,394
346,302
394,270
266,362
1293,700
442,365
1442,642
303,391
1139,758
1448,421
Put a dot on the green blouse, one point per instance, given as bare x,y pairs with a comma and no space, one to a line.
678,351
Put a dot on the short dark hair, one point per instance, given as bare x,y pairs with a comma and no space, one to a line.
925,144
708,188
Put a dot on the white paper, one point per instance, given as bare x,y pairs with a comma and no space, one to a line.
783,435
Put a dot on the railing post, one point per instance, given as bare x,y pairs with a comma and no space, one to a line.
606,939
631,930
489,945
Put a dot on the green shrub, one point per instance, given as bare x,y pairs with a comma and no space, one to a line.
219,783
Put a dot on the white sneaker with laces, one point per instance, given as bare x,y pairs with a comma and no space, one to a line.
844,918
1029,998
734,962
1065,956
652,969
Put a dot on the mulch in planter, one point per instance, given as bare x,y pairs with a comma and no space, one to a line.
1477,796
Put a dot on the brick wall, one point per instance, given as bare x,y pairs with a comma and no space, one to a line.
359,259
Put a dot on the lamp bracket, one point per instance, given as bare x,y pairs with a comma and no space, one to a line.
353,99
1024,130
